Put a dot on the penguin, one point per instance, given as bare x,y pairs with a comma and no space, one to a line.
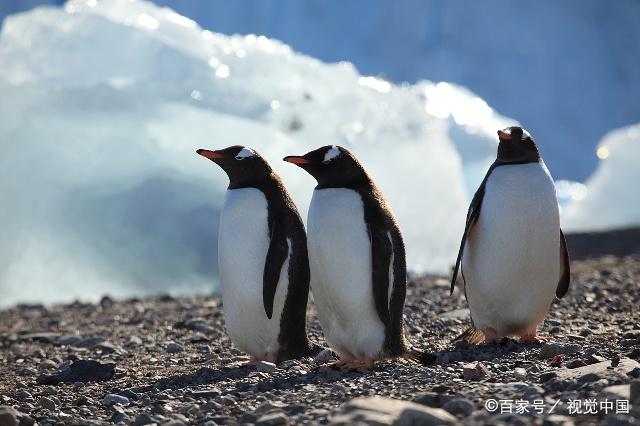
262,259
513,255
357,260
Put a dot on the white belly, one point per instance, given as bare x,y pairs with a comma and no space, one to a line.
340,263
511,261
243,241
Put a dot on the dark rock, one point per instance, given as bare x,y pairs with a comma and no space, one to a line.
47,403
273,419
634,392
9,416
143,419
112,399
433,399
44,337
265,367
80,371
382,411
174,348
474,372
462,407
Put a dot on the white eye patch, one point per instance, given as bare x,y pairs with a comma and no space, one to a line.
525,134
244,153
332,153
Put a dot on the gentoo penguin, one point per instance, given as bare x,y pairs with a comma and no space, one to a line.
357,259
262,259
513,254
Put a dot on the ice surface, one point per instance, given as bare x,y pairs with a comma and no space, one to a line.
611,198
104,104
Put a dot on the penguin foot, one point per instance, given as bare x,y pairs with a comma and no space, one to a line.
490,335
531,338
271,357
354,364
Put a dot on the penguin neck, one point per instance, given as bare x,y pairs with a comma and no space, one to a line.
355,177
259,182
508,155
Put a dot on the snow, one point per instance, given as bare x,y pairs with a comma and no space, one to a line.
104,105
610,198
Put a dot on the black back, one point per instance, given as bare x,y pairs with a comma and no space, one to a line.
284,223
516,147
341,169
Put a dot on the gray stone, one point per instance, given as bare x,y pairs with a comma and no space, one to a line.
601,369
549,350
9,416
458,314
173,347
273,419
46,403
112,399
433,399
634,392
557,420
143,419
620,420
615,392
323,357
460,407
67,340
265,367
386,411
474,372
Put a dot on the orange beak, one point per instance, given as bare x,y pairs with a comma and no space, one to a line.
211,155
504,136
296,160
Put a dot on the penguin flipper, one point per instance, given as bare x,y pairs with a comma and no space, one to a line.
381,251
472,217
276,255
565,268
396,343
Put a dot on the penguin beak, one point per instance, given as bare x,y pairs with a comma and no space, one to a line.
504,136
211,155
298,161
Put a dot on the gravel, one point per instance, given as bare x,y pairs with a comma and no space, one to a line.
168,360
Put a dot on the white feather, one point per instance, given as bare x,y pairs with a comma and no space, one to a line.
244,153
340,262
243,241
511,261
331,153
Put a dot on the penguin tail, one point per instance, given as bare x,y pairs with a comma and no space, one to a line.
420,357
471,335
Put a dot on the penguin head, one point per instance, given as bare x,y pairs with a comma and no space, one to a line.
517,145
331,166
242,164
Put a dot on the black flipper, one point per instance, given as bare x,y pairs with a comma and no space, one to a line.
276,255
565,269
381,250
396,343
472,217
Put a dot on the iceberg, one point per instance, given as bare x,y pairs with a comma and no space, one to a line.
104,104
610,200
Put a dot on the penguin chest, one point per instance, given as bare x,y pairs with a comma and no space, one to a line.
341,273
511,261
243,242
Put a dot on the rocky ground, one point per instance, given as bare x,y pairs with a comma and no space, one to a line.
167,360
